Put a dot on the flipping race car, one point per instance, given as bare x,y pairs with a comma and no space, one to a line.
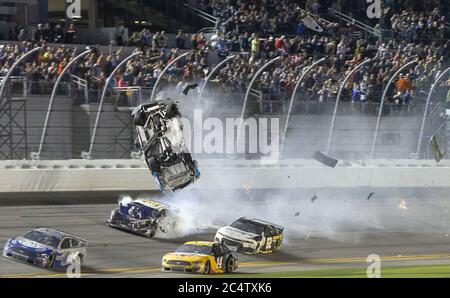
160,138
144,217
47,247
251,236
201,257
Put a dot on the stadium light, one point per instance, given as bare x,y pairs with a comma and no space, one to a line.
208,78
163,72
37,155
383,99
291,104
18,61
426,108
88,155
341,88
255,77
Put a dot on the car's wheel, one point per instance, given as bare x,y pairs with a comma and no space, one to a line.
151,234
172,111
207,268
256,249
152,164
139,118
51,260
230,264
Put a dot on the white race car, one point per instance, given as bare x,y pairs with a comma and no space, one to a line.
251,236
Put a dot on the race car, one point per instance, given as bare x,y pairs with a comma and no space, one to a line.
144,217
251,236
201,257
46,247
160,139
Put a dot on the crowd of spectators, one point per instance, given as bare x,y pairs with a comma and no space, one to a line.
260,31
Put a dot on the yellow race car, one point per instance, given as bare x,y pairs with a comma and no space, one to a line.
201,257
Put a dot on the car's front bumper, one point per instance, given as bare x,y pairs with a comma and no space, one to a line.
24,256
183,268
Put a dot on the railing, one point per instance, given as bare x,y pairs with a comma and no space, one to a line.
203,15
355,22
15,80
80,84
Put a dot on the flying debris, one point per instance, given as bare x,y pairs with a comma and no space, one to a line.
370,195
402,205
248,187
314,197
188,88
436,149
326,160
297,214
312,24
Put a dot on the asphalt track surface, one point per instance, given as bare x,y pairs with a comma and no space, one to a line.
416,235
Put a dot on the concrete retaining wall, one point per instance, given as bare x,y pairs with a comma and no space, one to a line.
132,175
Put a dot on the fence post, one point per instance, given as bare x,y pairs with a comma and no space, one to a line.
383,99
341,88
88,155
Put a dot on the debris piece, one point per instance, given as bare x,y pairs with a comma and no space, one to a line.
188,87
436,149
326,160
312,24
402,205
307,236
248,187
370,195
297,214
314,197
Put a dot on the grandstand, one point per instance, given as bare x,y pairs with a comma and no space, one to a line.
366,93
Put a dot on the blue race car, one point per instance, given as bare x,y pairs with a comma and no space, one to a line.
160,139
46,247
144,217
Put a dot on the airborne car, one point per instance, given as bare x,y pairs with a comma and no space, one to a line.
47,247
201,257
160,138
144,217
251,236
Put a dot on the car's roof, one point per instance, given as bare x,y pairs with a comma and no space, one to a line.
262,222
200,243
156,205
58,233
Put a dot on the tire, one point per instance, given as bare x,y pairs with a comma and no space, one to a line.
151,234
172,111
152,164
51,261
230,264
256,249
139,119
207,269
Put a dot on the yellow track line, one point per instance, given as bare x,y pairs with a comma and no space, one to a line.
243,264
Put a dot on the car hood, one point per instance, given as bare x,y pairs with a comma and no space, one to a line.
29,245
190,257
237,234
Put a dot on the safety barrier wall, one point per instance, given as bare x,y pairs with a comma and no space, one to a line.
132,175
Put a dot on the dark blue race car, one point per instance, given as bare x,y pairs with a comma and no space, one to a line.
47,247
